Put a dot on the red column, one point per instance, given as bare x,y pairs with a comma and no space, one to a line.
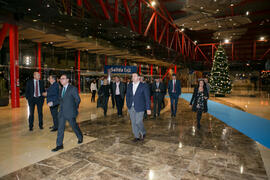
151,69
160,72
175,69
106,60
79,71
140,69
39,58
14,66
79,3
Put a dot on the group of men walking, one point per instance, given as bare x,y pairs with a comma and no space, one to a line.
64,101
66,97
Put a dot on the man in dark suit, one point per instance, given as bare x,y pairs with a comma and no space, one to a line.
158,90
118,92
174,90
33,93
138,100
69,104
53,100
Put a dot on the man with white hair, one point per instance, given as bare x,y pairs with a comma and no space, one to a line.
138,100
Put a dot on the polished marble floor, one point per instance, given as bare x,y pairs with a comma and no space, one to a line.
173,149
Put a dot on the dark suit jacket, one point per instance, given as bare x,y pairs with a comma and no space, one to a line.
177,87
194,99
29,89
69,104
122,88
162,88
141,98
53,94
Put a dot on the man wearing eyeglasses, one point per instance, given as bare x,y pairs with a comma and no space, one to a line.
69,104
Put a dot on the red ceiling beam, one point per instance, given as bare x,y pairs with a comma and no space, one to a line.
129,16
139,16
90,8
179,42
156,30
116,20
163,8
162,33
265,54
149,24
172,39
104,9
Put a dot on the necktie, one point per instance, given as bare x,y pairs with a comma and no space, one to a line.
173,86
36,89
63,91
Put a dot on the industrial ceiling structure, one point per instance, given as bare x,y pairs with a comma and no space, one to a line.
156,32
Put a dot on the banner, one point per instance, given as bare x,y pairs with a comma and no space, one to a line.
120,69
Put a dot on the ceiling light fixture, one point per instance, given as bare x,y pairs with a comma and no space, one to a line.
48,5
226,41
153,3
232,4
262,38
29,9
195,42
201,7
247,13
148,47
182,29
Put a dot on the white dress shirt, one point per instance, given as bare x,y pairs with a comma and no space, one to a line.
135,86
117,90
35,88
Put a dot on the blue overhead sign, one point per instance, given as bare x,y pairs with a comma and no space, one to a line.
120,69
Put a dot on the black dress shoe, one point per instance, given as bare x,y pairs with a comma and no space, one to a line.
58,148
41,127
144,136
54,129
136,140
80,141
30,129
51,127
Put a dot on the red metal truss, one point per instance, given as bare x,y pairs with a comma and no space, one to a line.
149,24
129,15
265,54
254,52
90,8
3,34
139,15
104,9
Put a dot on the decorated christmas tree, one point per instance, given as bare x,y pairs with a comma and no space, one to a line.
220,81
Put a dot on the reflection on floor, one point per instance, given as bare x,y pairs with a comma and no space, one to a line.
173,149
256,103
20,148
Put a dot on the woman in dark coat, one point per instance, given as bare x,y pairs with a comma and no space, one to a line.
103,96
199,101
